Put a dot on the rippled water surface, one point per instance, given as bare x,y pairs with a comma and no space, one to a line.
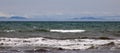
63,37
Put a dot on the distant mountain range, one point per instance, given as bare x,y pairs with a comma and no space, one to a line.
17,17
12,17
61,18
88,18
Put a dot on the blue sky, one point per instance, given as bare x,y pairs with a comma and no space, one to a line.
59,7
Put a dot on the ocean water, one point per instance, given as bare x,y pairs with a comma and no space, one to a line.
59,36
47,25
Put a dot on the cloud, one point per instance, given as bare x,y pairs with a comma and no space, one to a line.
99,13
5,14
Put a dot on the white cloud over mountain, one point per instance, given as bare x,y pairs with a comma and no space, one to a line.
4,14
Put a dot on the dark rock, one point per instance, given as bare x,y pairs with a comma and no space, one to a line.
109,44
105,38
60,48
43,39
26,41
1,43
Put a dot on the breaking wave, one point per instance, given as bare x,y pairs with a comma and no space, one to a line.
64,44
65,31
46,30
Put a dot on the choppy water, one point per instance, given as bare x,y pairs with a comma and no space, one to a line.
112,28
67,35
23,25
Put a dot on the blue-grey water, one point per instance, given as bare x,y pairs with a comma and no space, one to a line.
28,29
85,25
43,27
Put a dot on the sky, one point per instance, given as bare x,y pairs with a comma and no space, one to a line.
59,7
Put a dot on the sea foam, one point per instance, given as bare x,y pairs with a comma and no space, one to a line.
64,44
9,30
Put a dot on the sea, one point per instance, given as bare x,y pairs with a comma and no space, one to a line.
59,36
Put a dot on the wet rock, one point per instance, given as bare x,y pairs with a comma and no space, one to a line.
60,49
1,43
104,38
26,41
109,44
43,39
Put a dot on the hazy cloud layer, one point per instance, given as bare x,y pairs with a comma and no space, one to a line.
46,7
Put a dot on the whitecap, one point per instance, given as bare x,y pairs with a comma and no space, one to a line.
9,30
65,31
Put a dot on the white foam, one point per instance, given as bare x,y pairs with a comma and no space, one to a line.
44,42
9,30
65,31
